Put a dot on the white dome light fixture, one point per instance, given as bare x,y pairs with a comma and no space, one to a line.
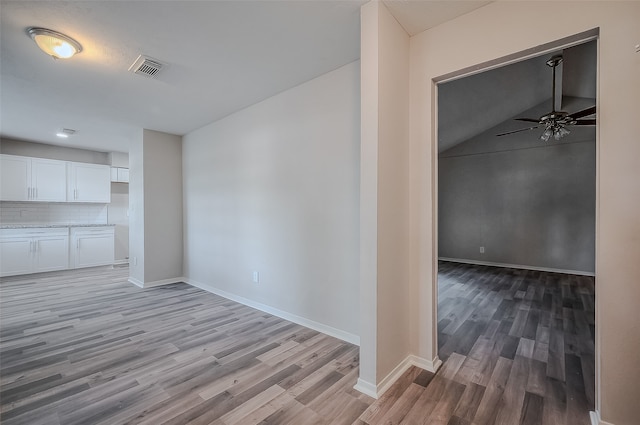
53,43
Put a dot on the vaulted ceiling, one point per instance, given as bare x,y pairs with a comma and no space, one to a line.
471,105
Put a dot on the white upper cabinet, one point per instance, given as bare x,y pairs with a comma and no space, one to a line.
89,183
123,175
15,178
48,180
119,175
33,179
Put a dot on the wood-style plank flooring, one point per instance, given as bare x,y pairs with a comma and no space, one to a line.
517,346
85,347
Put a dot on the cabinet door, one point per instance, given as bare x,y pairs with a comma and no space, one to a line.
15,178
49,180
123,175
93,250
52,253
16,256
89,183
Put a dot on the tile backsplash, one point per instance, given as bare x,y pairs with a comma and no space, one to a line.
52,213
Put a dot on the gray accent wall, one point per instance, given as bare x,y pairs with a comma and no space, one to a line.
527,202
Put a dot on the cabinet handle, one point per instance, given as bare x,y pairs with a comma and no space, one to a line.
77,243
36,195
75,193
28,193
30,246
37,246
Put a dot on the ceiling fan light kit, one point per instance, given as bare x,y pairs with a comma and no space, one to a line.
53,43
555,122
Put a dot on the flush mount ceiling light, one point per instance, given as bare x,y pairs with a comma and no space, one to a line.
53,43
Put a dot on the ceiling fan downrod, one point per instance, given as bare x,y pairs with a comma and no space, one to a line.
553,63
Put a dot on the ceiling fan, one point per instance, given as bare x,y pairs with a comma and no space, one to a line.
555,122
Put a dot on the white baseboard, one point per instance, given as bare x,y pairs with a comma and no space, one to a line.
428,365
317,326
516,266
136,282
163,282
376,391
366,388
141,284
596,420
120,262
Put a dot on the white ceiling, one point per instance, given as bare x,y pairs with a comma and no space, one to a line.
222,56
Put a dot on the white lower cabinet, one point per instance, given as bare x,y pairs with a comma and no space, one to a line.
91,246
25,251
42,249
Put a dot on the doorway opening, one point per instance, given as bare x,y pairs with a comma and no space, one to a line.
516,236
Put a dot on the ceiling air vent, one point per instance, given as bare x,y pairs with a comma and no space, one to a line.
146,66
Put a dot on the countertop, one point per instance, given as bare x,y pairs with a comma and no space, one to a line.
50,226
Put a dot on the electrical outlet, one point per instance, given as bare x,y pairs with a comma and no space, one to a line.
481,250
256,277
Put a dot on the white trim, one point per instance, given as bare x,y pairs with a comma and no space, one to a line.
317,326
386,383
136,282
516,266
393,376
596,420
163,282
120,262
141,284
428,365
366,388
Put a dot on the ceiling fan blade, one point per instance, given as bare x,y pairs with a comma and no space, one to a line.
583,113
528,120
585,122
518,131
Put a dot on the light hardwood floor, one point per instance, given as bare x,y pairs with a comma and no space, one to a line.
86,347
517,347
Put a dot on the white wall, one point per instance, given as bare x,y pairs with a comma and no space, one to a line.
506,28
274,189
62,153
119,209
384,192
155,209
119,159
384,282
136,210
393,194
117,212
162,206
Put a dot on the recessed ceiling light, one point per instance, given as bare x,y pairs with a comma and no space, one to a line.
53,43
65,132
